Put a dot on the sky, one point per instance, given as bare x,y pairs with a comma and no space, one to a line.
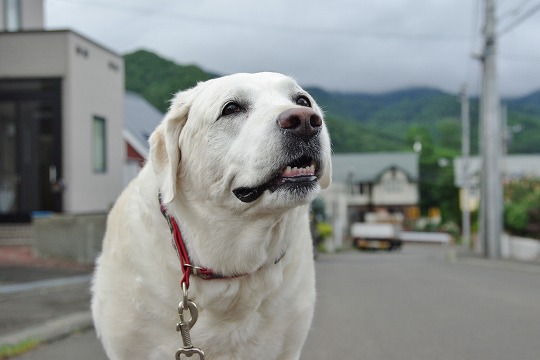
339,45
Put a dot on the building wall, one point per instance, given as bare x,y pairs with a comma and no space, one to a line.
33,54
92,85
394,188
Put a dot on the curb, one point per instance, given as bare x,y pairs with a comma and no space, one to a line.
51,330
532,267
45,284
54,328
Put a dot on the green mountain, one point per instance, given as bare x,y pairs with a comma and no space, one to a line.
158,79
359,122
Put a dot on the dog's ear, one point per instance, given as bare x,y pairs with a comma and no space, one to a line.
165,146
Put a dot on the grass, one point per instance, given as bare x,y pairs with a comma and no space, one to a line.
8,351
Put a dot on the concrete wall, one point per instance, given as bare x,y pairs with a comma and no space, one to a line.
33,55
69,237
94,87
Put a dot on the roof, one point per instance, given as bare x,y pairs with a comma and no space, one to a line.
140,120
513,166
60,31
368,167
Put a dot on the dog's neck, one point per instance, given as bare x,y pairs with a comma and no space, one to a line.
258,240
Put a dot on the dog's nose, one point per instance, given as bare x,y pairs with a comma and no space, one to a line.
301,122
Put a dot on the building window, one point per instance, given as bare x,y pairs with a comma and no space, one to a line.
81,51
362,189
12,15
393,183
99,145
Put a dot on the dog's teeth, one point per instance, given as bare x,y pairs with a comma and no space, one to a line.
298,171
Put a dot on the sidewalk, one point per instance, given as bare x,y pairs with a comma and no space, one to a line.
41,299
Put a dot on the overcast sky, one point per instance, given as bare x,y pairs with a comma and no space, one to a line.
348,45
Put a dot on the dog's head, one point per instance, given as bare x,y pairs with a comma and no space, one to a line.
245,140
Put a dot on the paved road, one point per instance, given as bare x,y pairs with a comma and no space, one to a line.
419,305
410,305
36,302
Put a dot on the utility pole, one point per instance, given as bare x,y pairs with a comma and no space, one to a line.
465,153
506,132
490,140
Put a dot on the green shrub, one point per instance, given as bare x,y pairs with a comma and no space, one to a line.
325,230
522,207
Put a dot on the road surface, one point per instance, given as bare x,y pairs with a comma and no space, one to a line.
416,304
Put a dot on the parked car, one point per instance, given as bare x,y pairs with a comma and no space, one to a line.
376,236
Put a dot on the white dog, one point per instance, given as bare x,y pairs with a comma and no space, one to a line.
237,161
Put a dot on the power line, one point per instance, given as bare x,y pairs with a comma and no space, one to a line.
512,12
427,37
527,14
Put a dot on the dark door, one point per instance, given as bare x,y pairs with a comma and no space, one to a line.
30,148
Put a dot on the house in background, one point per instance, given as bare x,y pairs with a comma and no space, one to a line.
140,120
370,186
61,114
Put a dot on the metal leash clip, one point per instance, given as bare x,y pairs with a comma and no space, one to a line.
184,326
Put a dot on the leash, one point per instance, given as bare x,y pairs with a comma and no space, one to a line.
184,326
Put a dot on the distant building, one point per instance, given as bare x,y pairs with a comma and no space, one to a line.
140,120
61,114
369,183
513,167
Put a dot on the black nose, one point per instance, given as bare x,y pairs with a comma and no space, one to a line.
301,122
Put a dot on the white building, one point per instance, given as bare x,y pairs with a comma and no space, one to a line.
513,167
369,183
61,114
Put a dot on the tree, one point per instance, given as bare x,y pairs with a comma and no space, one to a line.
436,183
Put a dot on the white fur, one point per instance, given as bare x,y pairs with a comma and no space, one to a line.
196,160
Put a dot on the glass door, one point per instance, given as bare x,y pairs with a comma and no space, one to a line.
9,175
30,149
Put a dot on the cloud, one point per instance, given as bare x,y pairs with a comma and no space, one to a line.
362,45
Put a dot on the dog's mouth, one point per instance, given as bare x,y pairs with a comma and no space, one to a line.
300,174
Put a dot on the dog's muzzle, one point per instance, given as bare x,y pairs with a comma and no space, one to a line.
300,129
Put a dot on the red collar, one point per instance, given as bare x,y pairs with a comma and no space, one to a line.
185,262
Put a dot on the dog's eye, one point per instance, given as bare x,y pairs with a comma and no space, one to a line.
231,108
303,101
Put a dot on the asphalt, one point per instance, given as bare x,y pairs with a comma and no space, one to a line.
42,303
45,304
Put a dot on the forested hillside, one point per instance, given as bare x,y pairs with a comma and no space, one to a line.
157,79
358,122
